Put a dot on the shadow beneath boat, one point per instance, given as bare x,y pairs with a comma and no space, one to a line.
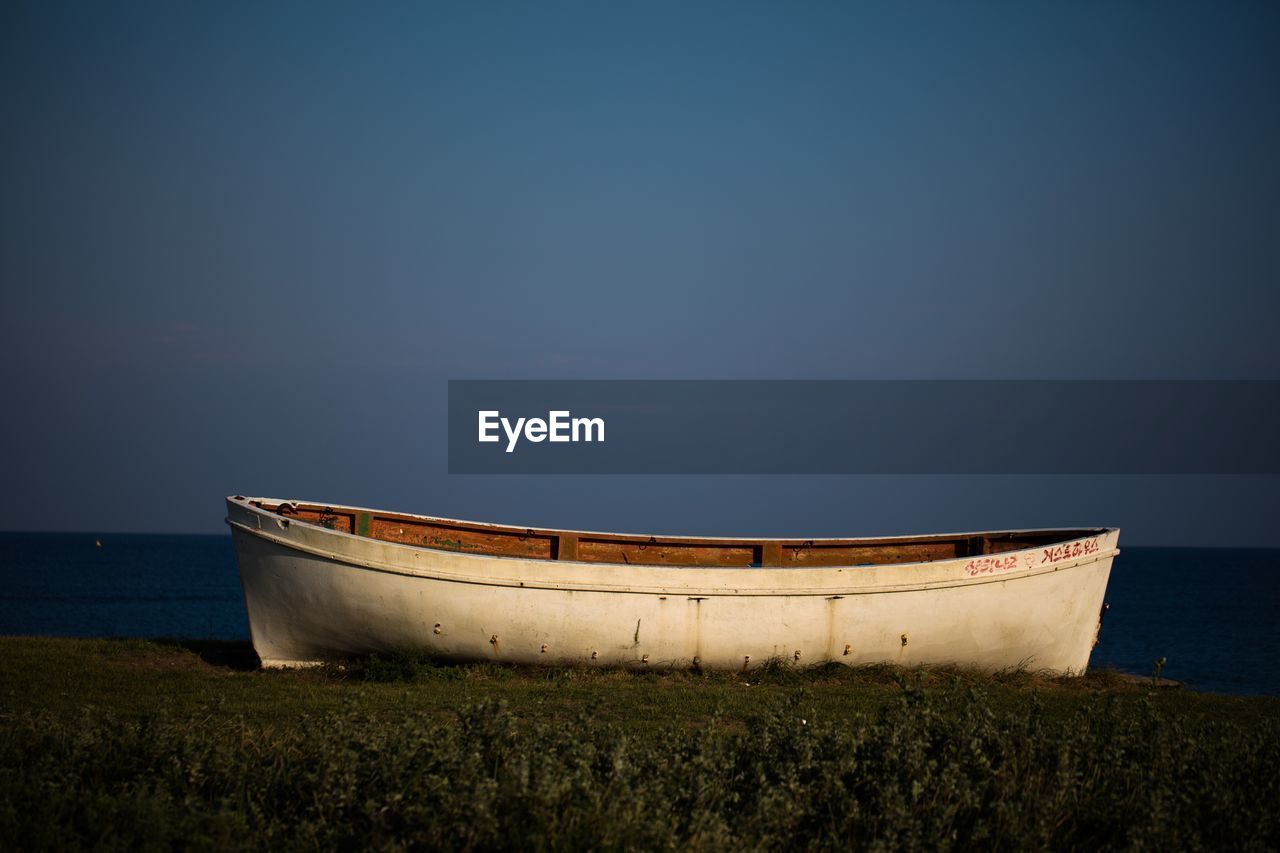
236,655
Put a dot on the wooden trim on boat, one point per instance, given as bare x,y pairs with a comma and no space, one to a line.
616,549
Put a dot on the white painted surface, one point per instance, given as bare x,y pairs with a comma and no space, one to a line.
314,594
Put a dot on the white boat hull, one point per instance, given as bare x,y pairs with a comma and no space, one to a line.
314,595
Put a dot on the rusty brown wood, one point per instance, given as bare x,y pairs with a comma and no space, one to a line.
771,554
343,522
665,552
612,548
566,547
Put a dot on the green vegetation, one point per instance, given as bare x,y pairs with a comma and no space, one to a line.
130,744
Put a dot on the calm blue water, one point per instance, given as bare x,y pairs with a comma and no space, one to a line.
1211,612
133,586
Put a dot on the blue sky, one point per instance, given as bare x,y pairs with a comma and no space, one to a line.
244,246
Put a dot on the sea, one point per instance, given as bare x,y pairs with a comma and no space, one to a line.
1209,613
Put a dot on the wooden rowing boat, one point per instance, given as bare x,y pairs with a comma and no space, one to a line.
326,581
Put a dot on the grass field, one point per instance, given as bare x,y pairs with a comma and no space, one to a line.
132,744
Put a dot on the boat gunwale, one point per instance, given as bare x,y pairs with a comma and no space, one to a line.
692,572
739,591
647,538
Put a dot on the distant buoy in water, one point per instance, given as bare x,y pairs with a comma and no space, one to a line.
98,542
